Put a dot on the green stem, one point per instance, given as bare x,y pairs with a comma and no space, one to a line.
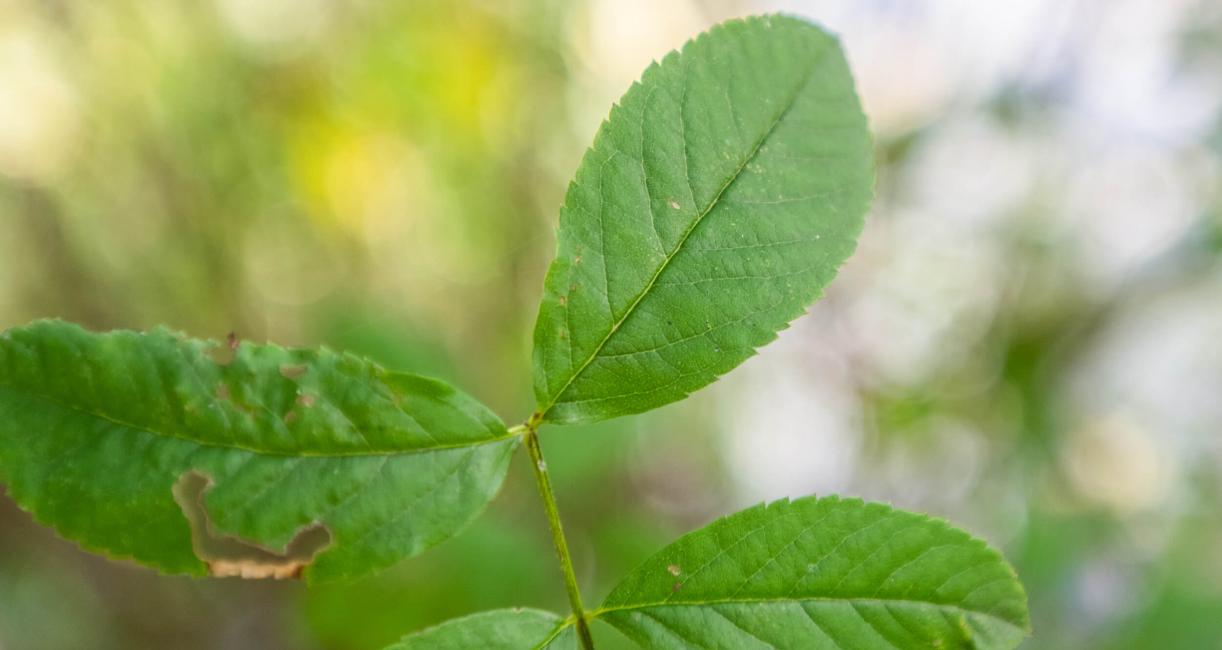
544,484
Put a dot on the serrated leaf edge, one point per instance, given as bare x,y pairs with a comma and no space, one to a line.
923,518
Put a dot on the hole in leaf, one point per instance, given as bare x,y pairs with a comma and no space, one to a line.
228,556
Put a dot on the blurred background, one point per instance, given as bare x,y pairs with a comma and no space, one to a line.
1027,342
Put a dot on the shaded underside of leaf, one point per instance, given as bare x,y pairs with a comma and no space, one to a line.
822,573
501,629
718,199
97,430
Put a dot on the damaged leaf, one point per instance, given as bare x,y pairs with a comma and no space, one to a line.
272,463
228,556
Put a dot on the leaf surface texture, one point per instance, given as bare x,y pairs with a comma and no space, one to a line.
718,199
112,438
822,573
501,629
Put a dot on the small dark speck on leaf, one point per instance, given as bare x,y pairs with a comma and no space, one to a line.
232,340
677,587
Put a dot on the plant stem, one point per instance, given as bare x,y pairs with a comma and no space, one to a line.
544,484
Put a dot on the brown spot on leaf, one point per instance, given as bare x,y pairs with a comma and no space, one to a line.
674,569
291,417
229,556
294,371
232,341
305,399
287,570
677,587
221,355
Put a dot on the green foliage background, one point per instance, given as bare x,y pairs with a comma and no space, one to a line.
385,177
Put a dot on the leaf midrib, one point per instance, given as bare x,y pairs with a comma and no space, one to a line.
817,599
807,76
555,633
261,452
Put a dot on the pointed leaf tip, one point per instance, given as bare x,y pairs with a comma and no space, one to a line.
718,199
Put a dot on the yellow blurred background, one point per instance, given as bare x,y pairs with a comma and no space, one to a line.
1028,340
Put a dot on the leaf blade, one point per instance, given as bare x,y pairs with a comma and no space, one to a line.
97,430
501,629
687,237
822,573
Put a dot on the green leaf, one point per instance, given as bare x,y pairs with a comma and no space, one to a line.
501,629
822,573
717,201
238,459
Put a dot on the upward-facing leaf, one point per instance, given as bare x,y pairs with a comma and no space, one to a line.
500,629
195,456
822,573
717,201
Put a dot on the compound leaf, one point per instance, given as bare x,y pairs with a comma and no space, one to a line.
501,629
202,457
718,199
822,573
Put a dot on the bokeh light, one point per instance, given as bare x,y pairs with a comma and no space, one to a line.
1028,340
